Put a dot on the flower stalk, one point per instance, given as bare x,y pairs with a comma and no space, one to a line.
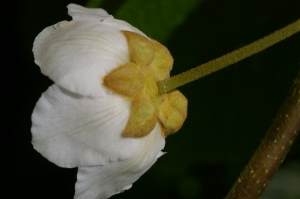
272,150
228,59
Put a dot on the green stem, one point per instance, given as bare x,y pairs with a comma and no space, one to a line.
228,59
272,150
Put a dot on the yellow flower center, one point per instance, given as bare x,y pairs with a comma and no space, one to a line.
150,62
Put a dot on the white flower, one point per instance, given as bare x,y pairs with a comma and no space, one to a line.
104,114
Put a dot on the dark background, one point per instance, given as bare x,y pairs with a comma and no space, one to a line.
229,111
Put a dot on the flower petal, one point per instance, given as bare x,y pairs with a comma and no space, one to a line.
104,181
77,55
71,130
79,13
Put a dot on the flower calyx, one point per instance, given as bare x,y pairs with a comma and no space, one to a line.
150,62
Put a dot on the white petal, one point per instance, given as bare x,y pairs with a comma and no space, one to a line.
104,181
78,12
77,55
100,16
71,130
123,25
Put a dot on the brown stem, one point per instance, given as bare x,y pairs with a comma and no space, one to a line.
272,150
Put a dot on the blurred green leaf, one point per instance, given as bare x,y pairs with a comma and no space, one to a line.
190,187
94,3
156,18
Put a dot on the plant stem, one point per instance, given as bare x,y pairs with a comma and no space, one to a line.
272,150
228,59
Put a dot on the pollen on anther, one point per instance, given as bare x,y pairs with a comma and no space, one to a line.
257,181
282,136
282,147
267,170
286,115
251,171
275,141
239,180
264,185
275,158
268,156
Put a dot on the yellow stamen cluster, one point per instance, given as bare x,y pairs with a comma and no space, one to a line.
150,62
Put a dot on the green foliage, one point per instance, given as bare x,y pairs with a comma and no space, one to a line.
156,18
94,3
